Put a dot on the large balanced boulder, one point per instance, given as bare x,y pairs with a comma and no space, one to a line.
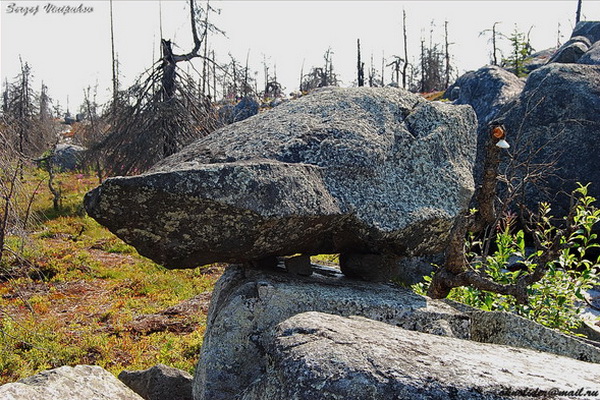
328,357
361,170
69,383
553,128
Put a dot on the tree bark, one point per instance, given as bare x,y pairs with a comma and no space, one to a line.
360,66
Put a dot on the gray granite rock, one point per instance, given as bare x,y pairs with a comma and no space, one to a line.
571,51
588,29
592,56
513,330
555,122
328,357
365,170
244,109
69,383
160,382
68,157
487,90
247,304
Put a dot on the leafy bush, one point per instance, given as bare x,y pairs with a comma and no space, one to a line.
555,301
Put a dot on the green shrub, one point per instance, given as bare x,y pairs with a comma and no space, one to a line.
556,300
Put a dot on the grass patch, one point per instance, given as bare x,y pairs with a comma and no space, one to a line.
75,291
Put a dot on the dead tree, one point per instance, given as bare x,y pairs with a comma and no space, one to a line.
360,66
396,68
160,113
405,38
494,41
448,69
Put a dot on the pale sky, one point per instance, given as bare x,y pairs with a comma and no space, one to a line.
72,51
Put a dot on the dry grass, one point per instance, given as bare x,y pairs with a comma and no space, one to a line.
79,295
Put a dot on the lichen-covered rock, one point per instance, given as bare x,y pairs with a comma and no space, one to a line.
487,90
247,304
554,125
328,357
592,56
588,29
365,170
160,382
572,50
69,383
512,330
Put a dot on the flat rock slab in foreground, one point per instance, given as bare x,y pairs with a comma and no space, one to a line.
364,170
82,382
247,305
327,357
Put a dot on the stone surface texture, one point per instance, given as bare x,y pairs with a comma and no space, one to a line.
68,157
487,90
572,50
328,357
592,56
588,29
554,124
160,382
513,330
367,170
247,304
69,383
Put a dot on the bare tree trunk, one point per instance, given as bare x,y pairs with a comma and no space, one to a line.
494,45
423,66
447,48
382,69
360,66
246,86
405,67
301,74
214,75
168,92
114,61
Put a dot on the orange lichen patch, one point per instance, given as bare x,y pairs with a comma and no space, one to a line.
499,132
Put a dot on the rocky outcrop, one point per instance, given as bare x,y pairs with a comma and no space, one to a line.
572,50
587,29
322,356
69,383
487,90
360,170
247,305
246,108
159,383
554,124
592,56
582,47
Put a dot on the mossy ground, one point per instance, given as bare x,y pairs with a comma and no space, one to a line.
76,294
